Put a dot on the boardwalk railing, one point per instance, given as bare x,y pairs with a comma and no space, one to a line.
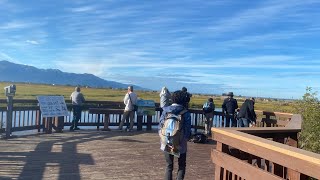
27,116
263,153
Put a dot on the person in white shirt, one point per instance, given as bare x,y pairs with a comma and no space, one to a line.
129,100
77,101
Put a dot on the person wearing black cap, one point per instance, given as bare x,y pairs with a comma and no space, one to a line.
188,96
229,107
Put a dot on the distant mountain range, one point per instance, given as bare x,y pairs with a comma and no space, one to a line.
12,72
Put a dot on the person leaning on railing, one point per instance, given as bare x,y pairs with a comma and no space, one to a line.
77,101
130,100
247,114
208,109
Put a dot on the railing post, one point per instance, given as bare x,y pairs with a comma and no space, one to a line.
106,122
149,123
98,122
220,173
48,125
139,123
58,123
9,116
195,122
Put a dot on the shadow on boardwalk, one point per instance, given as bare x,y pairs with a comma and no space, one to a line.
95,155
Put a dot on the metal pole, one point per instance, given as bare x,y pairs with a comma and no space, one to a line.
9,116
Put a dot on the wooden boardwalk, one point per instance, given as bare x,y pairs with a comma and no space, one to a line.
89,154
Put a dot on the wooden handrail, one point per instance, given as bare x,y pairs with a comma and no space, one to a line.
287,162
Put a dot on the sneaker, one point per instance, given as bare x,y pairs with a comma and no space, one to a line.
76,128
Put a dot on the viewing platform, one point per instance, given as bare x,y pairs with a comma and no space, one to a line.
269,151
91,154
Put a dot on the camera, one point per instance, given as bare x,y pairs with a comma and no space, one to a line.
10,90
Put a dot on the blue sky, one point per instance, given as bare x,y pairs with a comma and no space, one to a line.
254,48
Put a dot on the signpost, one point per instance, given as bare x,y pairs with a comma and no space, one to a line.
146,107
52,106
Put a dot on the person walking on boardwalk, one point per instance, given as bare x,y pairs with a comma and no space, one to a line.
208,109
188,97
165,97
174,131
229,107
77,102
130,100
247,115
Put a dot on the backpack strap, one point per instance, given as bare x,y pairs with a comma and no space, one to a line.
183,111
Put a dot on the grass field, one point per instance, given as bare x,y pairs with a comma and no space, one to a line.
30,91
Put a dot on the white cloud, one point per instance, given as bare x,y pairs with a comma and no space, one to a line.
32,42
4,56
83,9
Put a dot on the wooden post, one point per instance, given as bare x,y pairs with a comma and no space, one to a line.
106,122
38,120
149,123
218,174
98,122
139,123
9,116
48,125
221,173
292,141
195,122
58,124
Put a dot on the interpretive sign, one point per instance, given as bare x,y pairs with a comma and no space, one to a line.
146,107
52,106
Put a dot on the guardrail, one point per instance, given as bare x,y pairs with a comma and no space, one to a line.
263,153
27,116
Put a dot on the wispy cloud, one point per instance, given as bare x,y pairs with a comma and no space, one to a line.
82,9
4,56
220,44
32,42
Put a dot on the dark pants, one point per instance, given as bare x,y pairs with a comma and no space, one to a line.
76,116
182,166
230,119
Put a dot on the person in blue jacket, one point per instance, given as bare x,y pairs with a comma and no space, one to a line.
179,100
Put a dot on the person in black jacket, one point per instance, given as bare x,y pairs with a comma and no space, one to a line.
246,114
188,97
208,109
229,107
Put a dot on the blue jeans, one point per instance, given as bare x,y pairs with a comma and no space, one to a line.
243,122
181,169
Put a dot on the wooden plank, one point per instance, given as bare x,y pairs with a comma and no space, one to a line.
25,128
293,175
293,158
275,121
270,130
239,167
295,122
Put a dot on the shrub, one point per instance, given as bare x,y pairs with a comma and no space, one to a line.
309,107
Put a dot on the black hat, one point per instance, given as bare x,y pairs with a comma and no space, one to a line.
230,94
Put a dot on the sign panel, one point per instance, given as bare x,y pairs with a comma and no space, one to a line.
52,106
146,107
